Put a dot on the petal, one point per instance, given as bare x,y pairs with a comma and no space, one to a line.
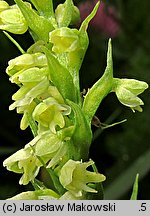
127,98
4,5
64,40
135,86
33,74
13,21
67,173
47,144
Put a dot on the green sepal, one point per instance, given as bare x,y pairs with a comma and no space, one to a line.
97,186
60,76
44,7
38,24
95,196
82,136
66,13
100,89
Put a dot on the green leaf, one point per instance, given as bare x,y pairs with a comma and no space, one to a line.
124,181
14,42
82,134
135,188
60,77
56,181
44,7
100,89
38,24
85,23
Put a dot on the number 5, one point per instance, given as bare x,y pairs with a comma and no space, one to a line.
143,206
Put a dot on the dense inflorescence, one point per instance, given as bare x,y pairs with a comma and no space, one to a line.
49,98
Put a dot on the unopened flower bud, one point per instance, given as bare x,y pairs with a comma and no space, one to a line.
65,40
67,14
12,20
26,61
127,91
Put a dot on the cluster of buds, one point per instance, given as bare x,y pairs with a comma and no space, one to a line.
50,100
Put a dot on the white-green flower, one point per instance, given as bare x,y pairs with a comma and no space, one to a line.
24,62
50,113
75,178
47,148
11,18
27,111
30,71
127,91
65,40
24,161
51,147
27,93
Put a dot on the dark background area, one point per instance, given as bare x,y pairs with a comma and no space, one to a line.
119,152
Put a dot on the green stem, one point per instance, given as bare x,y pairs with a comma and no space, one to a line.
14,42
33,125
44,7
59,188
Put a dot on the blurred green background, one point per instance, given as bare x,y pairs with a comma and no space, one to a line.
119,152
